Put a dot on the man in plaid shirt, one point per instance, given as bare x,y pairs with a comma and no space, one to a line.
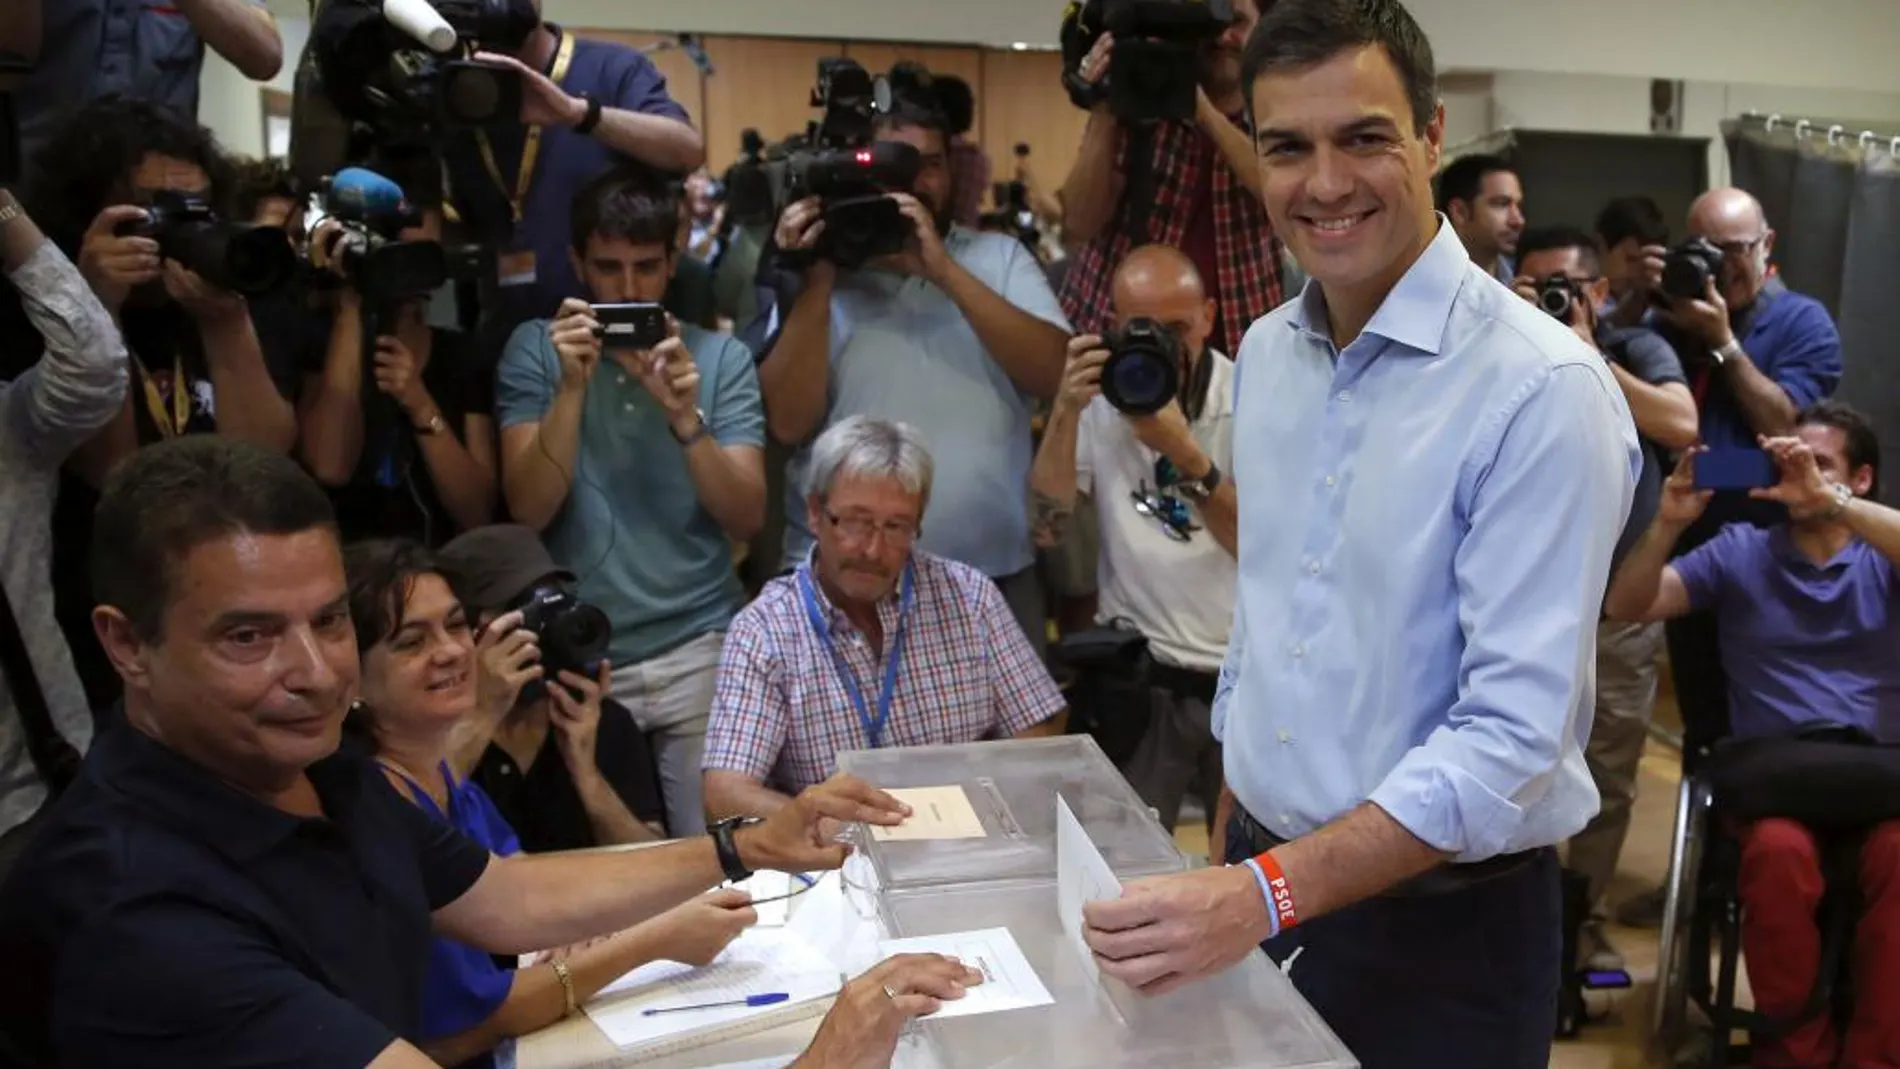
1203,198
870,642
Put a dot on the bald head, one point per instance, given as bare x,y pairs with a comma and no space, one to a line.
1159,282
1734,220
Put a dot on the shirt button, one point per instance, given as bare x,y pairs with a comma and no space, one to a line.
620,380
1286,820
1345,395
1312,567
628,406
1299,650
1332,480
1285,736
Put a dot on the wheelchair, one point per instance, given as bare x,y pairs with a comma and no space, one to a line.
1700,952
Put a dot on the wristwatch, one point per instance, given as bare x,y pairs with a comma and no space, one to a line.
728,850
1843,497
702,432
432,426
1202,488
591,119
1731,351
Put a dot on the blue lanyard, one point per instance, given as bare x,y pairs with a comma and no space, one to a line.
873,729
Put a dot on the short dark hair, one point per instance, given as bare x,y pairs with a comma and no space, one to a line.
956,102
1632,217
258,181
1546,238
87,163
1863,444
382,572
1292,34
1463,178
629,204
173,496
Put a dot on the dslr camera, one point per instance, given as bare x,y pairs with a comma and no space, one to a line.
573,634
1689,267
1143,370
370,212
847,169
1155,64
236,257
1558,295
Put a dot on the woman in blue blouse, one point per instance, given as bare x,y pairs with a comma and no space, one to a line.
417,712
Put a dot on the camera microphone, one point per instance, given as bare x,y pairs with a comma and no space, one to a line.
420,20
361,194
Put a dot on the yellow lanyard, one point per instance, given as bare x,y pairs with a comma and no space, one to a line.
531,146
171,423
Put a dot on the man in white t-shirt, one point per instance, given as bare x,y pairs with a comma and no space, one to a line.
1163,504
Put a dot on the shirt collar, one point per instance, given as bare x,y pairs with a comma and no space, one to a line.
183,795
1414,314
887,608
1781,544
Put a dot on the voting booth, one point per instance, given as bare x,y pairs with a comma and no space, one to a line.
1005,842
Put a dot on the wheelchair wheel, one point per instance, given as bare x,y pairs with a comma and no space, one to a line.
1674,974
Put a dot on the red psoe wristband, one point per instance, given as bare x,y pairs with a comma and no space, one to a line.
1279,892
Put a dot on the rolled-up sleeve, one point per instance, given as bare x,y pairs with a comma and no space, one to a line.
1023,693
1808,368
1543,516
169,982
79,383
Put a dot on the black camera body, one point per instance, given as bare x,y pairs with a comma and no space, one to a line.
371,212
1689,268
1155,65
236,257
851,173
573,635
1143,370
1558,295
633,327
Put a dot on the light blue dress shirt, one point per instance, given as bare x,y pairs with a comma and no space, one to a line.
1426,525
902,350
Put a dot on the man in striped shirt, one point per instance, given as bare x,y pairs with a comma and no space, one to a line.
868,643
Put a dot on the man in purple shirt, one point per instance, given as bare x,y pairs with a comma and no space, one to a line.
1809,614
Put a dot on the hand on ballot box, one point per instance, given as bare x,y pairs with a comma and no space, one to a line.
863,1027
1168,931
802,836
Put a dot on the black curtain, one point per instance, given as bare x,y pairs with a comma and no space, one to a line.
1835,209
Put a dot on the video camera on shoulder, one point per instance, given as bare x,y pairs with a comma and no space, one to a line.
236,257
1143,370
851,173
370,213
1154,69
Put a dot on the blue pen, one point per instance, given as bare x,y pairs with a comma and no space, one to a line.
771,998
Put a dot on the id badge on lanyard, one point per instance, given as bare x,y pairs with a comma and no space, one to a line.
517,267
873,726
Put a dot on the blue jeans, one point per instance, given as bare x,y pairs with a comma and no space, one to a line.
1458,979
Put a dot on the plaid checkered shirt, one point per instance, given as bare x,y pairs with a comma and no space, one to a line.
1247,254
781,714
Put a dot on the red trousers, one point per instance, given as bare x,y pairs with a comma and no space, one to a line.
1781,887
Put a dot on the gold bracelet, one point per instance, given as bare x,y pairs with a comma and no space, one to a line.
562,974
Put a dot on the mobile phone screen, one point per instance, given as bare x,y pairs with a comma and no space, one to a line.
1734,469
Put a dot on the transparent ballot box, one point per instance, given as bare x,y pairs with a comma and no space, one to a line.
1012,785
1249,1017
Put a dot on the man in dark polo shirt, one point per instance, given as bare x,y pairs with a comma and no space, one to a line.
223,887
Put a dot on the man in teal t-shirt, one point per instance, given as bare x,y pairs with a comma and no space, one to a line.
640,468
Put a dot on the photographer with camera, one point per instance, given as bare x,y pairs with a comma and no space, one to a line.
1559,273
415,457
1200,190
705,216
954,335
587,106
46,412
969,165
1629,231
133,194
1142,433
1485,202
149,52
638,456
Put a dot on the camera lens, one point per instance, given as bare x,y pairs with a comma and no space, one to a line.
1139,380
1555,298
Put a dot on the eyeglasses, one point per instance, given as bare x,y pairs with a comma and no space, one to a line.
897,534
1735,250
1165,509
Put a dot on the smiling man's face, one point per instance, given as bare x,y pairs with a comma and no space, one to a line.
1347,170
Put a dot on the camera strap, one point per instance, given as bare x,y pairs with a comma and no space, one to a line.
531,144
170,423
873,728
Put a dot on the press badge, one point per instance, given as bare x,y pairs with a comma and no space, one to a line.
516,268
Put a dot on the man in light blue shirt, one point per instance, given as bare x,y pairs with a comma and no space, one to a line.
955,337
641,469
1432,476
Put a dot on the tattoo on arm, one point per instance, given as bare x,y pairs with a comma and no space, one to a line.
1048,519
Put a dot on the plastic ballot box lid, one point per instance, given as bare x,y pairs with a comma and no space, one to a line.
1249,1017
1011,787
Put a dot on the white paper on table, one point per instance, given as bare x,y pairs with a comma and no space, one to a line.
760,961
1009,981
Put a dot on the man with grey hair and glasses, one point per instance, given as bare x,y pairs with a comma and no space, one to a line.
869,642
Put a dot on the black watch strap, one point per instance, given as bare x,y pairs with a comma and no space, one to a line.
591,119
1203,488
728,850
